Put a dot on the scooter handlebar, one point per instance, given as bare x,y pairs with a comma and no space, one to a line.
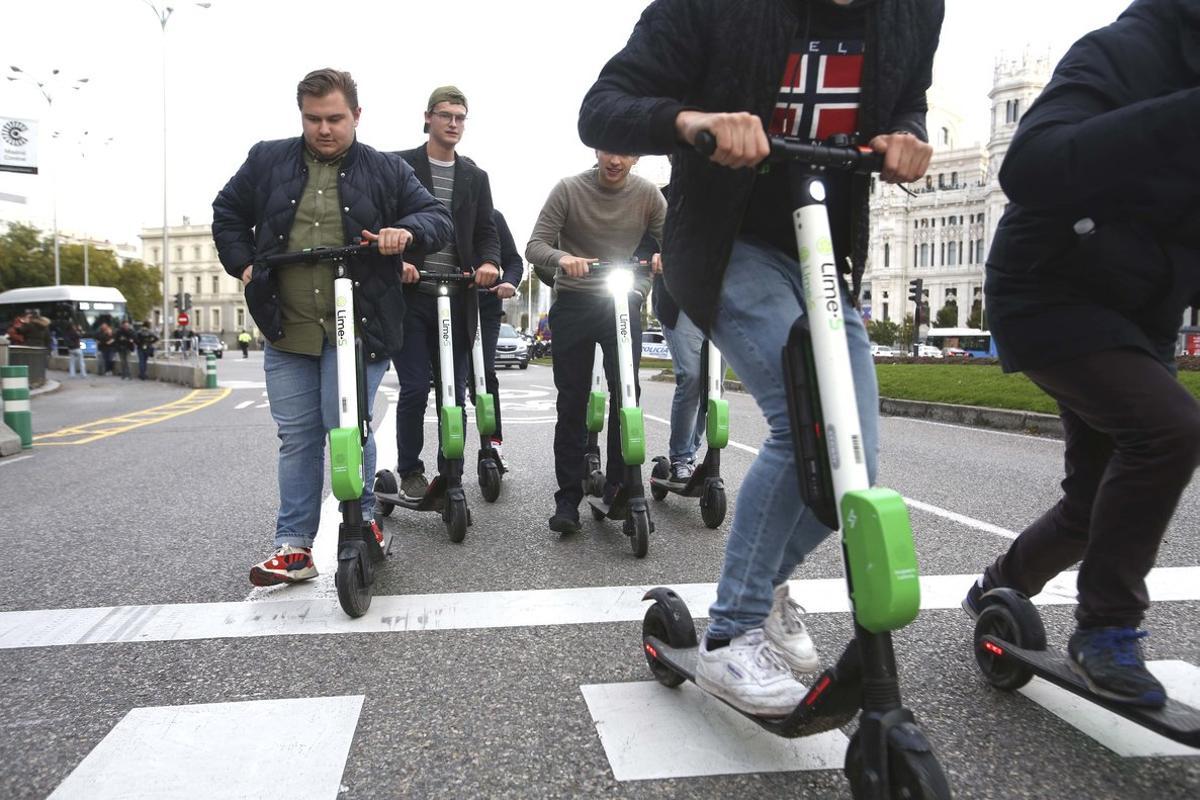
601,267
446,277
835,157
316,254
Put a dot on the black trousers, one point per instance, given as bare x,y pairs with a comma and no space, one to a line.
489,331
580,321
1132,443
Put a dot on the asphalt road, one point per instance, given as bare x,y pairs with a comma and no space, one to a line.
502,678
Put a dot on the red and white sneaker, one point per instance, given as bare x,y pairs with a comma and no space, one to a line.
288,564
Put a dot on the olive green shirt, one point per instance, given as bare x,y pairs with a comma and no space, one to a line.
306,289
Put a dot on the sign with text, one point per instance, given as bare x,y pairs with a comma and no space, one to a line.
18,145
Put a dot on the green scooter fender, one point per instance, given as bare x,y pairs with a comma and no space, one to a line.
716,424
881,559
595,411
453,432
633,436
485,414
345,463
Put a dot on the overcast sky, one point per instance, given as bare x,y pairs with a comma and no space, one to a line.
232,70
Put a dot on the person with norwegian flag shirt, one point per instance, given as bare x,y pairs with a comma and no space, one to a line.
807,69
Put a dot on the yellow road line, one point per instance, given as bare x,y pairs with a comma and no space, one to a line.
111,426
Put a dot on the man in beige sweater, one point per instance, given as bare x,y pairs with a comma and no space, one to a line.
600,214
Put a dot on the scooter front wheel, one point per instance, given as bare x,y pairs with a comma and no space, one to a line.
457,519
385,483
712,508
354,594
639,532
489,481
912,774
662,472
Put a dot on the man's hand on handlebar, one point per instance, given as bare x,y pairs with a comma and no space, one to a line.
905,157
504,290
410,274
574,266
486,274
656,264
741,141
390,241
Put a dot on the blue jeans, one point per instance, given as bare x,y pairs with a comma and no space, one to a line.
303,394
772,529
688,406
74,360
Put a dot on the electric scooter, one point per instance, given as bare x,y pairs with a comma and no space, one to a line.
706,482
1010,648
445,493
489,466
597,411
889,756
359,553
629,504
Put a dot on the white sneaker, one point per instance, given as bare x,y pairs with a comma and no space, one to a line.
750,675
785,629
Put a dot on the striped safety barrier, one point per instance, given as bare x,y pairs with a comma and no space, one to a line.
14,388
210,381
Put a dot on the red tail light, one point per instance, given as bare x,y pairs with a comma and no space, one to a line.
994,649
650,649
816,691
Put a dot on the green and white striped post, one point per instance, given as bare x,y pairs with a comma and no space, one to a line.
211,376
14,387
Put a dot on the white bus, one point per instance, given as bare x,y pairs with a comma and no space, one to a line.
976,343
87,305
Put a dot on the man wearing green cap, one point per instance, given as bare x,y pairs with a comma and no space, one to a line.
464,189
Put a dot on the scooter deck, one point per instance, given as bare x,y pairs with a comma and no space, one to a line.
832,701
433,500
618,510
693,487
1175,721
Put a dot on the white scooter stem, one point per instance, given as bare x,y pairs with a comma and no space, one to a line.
831,354
347,371
716,375
477,356
620,285
445,349
599,384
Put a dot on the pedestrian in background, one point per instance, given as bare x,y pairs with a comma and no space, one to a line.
73,340
146,339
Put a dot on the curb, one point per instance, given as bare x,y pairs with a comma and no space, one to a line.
1000,419
46,388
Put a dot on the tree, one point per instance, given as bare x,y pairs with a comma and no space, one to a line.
907,334
975,318
883,331
27,259
948,316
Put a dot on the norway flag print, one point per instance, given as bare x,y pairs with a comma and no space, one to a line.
819,95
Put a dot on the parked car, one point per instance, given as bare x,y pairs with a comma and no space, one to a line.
955,352
883,351
210,343
928,351
654,345
511,348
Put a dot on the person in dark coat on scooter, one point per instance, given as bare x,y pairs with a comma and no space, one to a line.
739,71
1102,240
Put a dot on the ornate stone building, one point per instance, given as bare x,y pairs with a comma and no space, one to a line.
942,232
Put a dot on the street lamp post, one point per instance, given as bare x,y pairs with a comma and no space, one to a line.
43,87
163,12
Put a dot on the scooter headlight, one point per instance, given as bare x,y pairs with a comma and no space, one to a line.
620,281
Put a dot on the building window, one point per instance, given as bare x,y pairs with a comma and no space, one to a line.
241,318
179,254
979,251
196,252
952,254
945,136
915,255
1016,110
925,255
929,183
887,255
157,251
954,184
179,285
216,284
198,284
216,320
942,263
885,311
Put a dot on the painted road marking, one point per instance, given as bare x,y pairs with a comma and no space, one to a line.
13,460
243,404
292,615
294,748
690,734
242,385
1182,682
103,428
953,516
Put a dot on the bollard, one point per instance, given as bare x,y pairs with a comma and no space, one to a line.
14,387
211,376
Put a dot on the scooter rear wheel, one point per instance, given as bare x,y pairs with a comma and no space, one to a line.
912,774
662,472
385,483
354,594
1009,616
657,623
712,508
489,481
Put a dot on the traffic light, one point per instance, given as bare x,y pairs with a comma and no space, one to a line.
187,301
916,293
179,300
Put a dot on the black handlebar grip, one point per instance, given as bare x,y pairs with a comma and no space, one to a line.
706,143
